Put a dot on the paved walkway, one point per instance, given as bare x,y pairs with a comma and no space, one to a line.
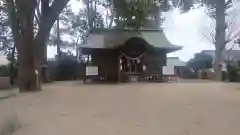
139,109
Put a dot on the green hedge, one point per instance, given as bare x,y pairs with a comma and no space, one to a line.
4,71
234,74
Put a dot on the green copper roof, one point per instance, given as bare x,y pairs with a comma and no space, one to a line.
116,37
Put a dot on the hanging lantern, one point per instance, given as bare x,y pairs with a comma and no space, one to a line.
138,61
144,68
121,68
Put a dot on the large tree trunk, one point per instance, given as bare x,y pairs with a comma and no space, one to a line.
31,51
217,63
26,70
12,65
27,75
220,37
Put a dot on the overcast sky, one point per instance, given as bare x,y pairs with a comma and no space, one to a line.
182,29
186,30
190,29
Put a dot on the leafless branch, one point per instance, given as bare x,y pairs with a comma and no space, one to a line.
229,3
209,35
37,12
232,29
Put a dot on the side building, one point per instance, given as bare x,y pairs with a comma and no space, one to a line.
174,66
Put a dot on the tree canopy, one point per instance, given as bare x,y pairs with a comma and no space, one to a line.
73,28
6,40
30,22
200,61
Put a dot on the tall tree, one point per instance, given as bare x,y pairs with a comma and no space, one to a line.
6,41
72,27
128,13
7,46
94,15
220,37
30,44
136,14
58,40
231,28
218,10
200,61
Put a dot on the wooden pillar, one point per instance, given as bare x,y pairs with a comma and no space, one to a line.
135,65
119,69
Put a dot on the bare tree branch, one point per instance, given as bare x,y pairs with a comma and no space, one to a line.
209,34
231,28
37,12
47,20
229,3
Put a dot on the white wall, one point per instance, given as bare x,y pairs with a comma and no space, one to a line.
171,63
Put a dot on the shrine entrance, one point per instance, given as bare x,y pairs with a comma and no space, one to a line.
130,67
125,56
131,60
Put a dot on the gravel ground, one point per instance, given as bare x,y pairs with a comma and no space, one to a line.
70,108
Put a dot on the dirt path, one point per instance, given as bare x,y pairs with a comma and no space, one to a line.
140,109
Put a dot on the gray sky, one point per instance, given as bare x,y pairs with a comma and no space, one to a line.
190,29
185,30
